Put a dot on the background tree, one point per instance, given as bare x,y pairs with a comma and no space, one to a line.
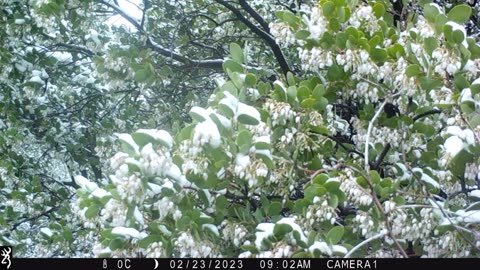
269,167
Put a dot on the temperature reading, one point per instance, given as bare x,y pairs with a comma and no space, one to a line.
125,263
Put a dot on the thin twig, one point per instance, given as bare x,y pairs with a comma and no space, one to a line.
369,181
355,248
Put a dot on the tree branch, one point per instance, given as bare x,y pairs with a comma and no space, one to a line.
355,248
381,157
264,35
427,113
209,63
255,15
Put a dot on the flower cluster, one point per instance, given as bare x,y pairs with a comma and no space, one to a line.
335,123
234,233
280,112
282,33
413,226
356,195
316,23
280,250
114,213
315,59
449,245
363,16
249,170
472,172
186,246
320,211
129,186
364,224
423,28
155,250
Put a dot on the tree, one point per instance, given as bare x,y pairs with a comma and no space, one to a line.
367,144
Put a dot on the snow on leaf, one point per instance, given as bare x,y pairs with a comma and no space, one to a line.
36,79
291,221
323,247
453,145
100,193
426,178
468,216
165,137
128,142
199,114
339,249
475,193
456,26
46,231
264,230
247,114
212,228
127,232
138,216
207,132
174,172
85,184
143,136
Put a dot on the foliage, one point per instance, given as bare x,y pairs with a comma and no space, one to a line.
367,144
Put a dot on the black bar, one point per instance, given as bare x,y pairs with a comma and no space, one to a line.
248,264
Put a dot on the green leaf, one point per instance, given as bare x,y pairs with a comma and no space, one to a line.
378,10
291,93
274,208
457,164
140,75
378,55
333,200
298,239
430,12
341,40
320,179
67,234
334,25
236,52
92,211
221,202
183,223
459,13
332,186
290,19
281,229
440,22
244,138
328,9
335,235
460,82
152,238
302,34
413,70
458,36
250,80
302,93
232,66
117,243
262,145
290,79
428,130
399,200
430,44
